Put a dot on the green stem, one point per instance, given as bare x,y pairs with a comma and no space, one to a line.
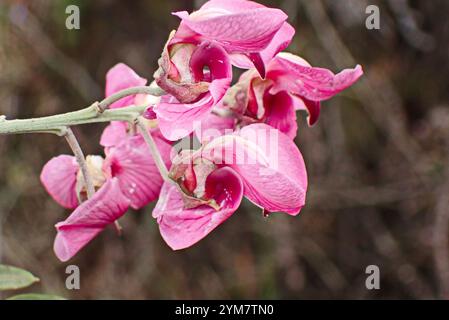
93,114
97,112
160,164
81,160
154,91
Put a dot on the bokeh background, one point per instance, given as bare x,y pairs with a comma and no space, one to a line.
378,160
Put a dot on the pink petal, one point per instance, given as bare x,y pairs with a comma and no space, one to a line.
270,164
150,114
215,58
313,108
59,179
280,41
244,31
131,162
213,126
316,84
182,228
280,113
233,6
177,120
121,77
89,219
113,134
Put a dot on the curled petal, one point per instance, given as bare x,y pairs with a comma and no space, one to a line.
89,219
280,113
312,107
182,228
178,120
182,75
261,60
113,134
316,84
131,162
215,58
59,179
174,75
270,164
121,77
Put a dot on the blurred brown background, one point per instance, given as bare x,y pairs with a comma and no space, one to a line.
377,160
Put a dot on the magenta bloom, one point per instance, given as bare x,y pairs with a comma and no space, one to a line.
242,32
246,130
291,84
250,32
118,78
127,177
258,162
193,90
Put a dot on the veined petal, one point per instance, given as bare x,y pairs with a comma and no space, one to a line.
270,164
261,60
182,228
121,77
316,84
248,30
89,219
131,162
59,179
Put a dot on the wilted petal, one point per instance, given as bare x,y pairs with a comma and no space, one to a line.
174,75
59,179
181,228
121,77
113,134
89,219
272,168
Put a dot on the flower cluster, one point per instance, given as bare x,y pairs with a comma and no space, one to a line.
246,130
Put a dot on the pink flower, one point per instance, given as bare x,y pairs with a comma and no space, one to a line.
244,31
118,78
127,177
291,84
193,90
121,77
258,162
252,33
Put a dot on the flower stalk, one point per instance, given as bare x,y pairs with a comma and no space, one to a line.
95,113
81,160
153,148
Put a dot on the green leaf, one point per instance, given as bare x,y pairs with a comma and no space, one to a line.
12,278
35,296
